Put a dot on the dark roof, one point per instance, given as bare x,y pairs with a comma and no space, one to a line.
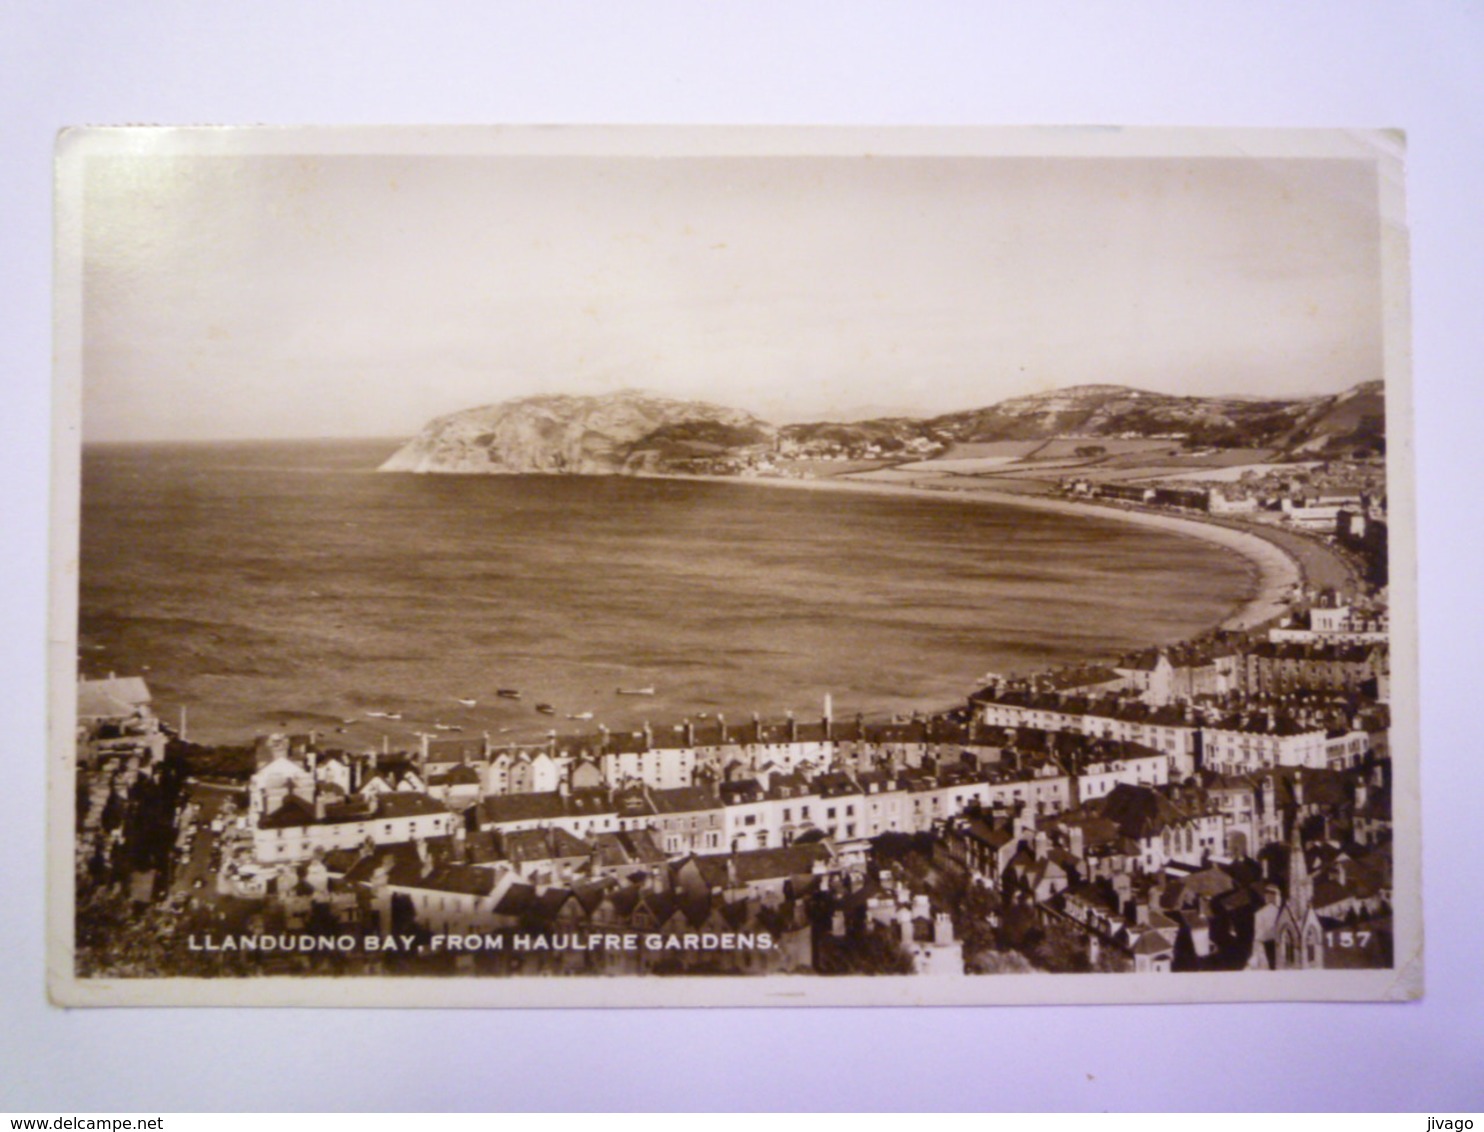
626,743
794,784
1138,811
461,775
1329,652
406,869
586,802
1264,723
995,837
1081,678
1125,708
740,791
517,900
835,784
673,738
402,804
546,805
1326,788
764,864
637,847
296,812
455,750
543,845
683,800
521,807
632,802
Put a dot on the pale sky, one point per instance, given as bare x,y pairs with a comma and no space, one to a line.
282,296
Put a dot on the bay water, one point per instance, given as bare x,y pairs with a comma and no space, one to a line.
273,585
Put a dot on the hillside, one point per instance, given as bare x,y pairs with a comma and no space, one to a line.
633,431
619,432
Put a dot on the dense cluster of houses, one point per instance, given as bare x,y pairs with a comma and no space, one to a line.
1348,507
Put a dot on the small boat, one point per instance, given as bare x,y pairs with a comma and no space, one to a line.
507,694
581,715
467,703
546,709
394,715
378,715
447,727
649,691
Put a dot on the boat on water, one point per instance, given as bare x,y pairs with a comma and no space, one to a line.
546,709
581,715
378,715
467,703
507,694
447,727
648,691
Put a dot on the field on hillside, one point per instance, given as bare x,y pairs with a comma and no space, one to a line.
968,466
1061,447
985,449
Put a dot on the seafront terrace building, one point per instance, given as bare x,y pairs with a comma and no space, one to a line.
775,809
581,813
707,752
1276,667
1336,621
1248,741
298,829
766,794
1174,730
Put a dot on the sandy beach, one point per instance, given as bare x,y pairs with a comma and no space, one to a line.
1275,571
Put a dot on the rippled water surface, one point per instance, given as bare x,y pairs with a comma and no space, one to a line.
285,583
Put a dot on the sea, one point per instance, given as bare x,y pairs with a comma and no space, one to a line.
287,585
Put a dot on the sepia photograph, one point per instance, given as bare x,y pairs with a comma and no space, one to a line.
722,566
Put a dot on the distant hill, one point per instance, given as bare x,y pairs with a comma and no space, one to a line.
634,431
627,431
1353,419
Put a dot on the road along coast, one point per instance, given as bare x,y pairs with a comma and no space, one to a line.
1275,571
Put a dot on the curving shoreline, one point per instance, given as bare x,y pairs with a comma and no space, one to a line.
1277,571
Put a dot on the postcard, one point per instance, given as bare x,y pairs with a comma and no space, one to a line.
732,566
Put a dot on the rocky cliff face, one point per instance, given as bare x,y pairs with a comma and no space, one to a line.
618,432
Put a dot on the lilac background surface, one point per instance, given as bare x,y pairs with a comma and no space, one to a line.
1236,64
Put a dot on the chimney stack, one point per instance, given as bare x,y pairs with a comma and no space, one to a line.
942,929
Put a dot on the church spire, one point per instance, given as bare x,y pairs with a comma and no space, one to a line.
1300,885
